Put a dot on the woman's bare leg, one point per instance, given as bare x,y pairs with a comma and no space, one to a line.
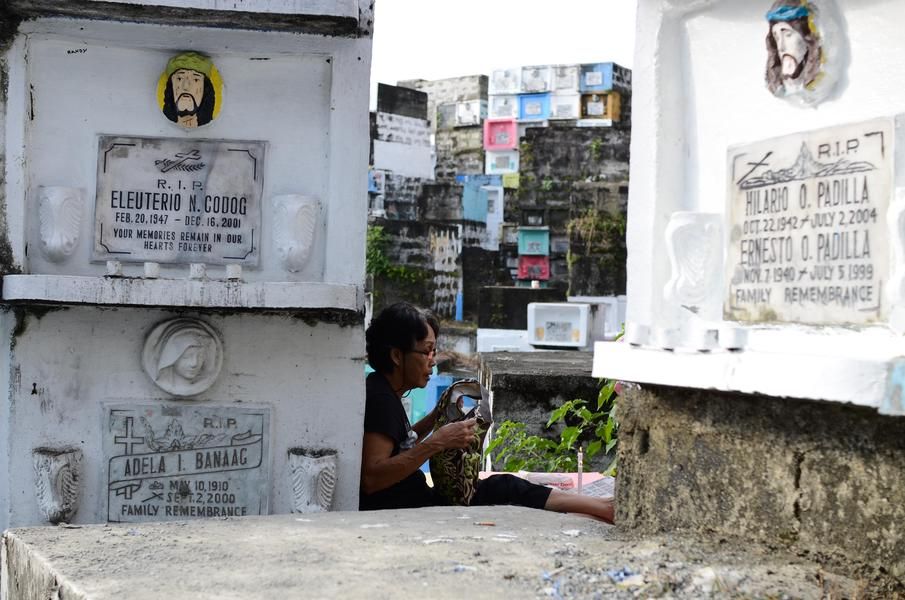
602,508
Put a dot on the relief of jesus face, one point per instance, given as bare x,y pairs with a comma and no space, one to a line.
792,49
188,91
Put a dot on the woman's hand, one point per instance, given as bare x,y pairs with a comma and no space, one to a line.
455,435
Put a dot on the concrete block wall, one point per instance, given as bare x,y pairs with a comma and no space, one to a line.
401,196
576,153
570,176
402,130
441,201
459,151
401,101
430,253
447,91
821,479
481,268
596,239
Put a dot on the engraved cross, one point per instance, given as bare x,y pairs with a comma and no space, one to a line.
129,440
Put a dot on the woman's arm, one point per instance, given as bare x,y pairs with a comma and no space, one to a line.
379,470
424,426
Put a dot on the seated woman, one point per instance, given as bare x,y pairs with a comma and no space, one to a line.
401,346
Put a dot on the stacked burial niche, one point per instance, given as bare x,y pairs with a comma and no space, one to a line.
181,258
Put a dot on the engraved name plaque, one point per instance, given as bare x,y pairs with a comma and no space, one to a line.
808,239
172,462
178,200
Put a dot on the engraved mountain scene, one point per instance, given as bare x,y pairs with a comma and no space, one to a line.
174,438
805,167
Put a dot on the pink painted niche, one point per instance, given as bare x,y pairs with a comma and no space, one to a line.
500,134
534,267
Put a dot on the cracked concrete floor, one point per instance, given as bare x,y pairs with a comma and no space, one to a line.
442,552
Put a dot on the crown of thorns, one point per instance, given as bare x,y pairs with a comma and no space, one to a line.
191,61
788,13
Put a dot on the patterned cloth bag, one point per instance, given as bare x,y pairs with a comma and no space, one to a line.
455,472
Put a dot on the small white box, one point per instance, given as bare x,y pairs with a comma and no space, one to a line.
500,163
505,81
504,107
503,340
566,78
536,79
470,112
607,315
563,324
565,106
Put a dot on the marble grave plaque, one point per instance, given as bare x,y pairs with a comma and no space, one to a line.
172,200
169,462
808,237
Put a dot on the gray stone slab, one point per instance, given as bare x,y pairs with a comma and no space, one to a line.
442,552
546,364
808,226
170,200
168,462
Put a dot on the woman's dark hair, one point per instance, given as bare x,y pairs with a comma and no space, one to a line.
401,326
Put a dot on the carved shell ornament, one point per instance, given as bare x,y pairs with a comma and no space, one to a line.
695,247
313,475
183,356
190,90
57,482
60,217
806,50
294,229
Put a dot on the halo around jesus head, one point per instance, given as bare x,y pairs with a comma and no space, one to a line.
190,90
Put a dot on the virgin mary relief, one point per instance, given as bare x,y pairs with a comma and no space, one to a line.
183,356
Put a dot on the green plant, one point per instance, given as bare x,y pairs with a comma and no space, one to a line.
596,147
515,450
378,265
546,184
526,154
595,226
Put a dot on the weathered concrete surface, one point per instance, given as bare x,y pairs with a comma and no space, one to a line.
444,552
92,9
483,269
459,151
821,479
428,253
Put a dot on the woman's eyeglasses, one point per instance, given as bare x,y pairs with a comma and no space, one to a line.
428,353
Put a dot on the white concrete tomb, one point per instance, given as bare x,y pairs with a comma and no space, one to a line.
181,251
766,245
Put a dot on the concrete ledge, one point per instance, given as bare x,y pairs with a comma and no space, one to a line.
333,8
872,378
125,291
324,17
386,554
817,478
442,552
